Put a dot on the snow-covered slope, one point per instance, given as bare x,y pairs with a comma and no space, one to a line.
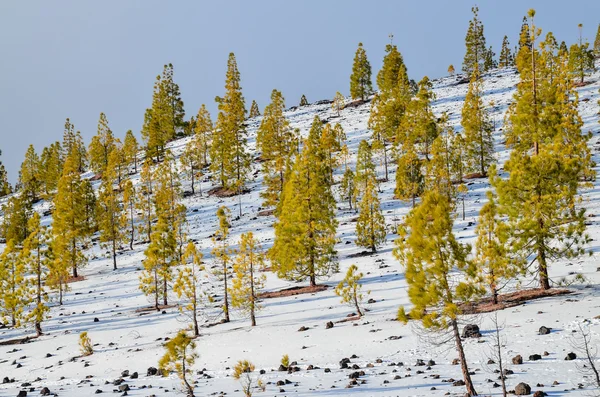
129,340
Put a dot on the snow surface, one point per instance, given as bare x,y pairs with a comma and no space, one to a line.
128,340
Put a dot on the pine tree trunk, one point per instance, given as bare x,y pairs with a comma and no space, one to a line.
165,290
226,296
195,319
114,254
193,181
156,286
463,361
543,269
132,228
360,314
385,161
38,298
252,297
73,252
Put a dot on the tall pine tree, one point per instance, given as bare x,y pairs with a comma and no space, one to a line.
306,226
230,161
360,79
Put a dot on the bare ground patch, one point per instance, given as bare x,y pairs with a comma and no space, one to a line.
293,291
511,299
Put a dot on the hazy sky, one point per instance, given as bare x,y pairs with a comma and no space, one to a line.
78,58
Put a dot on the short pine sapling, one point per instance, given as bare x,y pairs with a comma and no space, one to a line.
180,357
349,289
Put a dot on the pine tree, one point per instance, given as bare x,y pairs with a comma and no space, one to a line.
365,169
130,202
34,256
338,103
85,344
477,128
29,176
70,225
112,218
445,167
305,230
180,357
388,106
130,150
164,120
492,256
276,141
597,44
50,169
254,111
488,60
188,284
166,246
101,146
88,201
145,200
14,285
475,44
360,79
349,289
303,101
431,255
524,35
550,156
228,152
74,147
410,181
204,131
451,70
192,161
5,188
418,126
248,283
58,271
506,57
347,187
17,212
222,254
330,142
581,58
242,371
370,227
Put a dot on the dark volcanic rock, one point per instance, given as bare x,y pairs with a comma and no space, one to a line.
471,331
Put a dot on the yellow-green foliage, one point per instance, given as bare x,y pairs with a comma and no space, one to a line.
338,102
305,229
180,356
360,80
85,344
13,284
277,143
370,227
242,371
349,289
285,360
248,282
188,284
222,253
230,160
431,255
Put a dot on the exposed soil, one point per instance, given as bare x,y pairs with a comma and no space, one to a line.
509,300
222,192
75,279
148,309
293,291
18,341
